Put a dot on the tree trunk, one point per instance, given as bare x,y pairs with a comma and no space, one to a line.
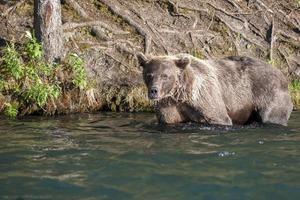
48,28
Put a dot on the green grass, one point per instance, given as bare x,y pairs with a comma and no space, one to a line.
294,85
197,53
28,82
294,88
79,73
11,109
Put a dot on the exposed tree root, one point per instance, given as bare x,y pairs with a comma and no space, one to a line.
94,24
11,9
117,9
80,11
238,25
175,10
273,40
70,25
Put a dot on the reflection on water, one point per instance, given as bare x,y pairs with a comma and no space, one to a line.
128,156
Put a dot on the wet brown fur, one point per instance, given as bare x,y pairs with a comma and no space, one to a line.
233,90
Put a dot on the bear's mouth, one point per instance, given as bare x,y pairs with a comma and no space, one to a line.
154,98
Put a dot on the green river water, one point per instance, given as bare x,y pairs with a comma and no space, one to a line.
128,156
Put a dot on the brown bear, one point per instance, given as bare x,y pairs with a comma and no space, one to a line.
232,90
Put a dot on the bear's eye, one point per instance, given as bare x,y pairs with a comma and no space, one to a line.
164,76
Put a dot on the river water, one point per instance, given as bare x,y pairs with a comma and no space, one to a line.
128,156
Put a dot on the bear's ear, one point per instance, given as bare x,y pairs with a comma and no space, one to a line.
143,60
183,62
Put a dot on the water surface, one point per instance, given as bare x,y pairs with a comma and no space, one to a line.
128,156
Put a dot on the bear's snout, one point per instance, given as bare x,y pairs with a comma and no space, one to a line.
153,93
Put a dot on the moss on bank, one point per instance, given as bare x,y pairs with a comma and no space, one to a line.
294,88
132,99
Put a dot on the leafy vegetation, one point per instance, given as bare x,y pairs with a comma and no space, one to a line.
79,73
11,110
197,53
33,48
28,82
12,63
294,88
294,85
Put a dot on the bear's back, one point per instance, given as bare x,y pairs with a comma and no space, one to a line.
260,74
245,82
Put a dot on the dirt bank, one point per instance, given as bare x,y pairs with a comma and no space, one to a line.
108,33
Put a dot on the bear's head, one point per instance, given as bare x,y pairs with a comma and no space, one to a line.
161,74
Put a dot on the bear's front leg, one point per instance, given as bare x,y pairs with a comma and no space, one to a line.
219,120
169,115
215,115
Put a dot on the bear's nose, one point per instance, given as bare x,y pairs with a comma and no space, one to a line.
153,92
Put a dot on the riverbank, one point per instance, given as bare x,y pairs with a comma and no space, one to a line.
106,39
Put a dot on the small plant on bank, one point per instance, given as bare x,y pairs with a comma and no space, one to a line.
294,88
11,110
79,73
28,82
33,48
294,85
197,53
12,63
